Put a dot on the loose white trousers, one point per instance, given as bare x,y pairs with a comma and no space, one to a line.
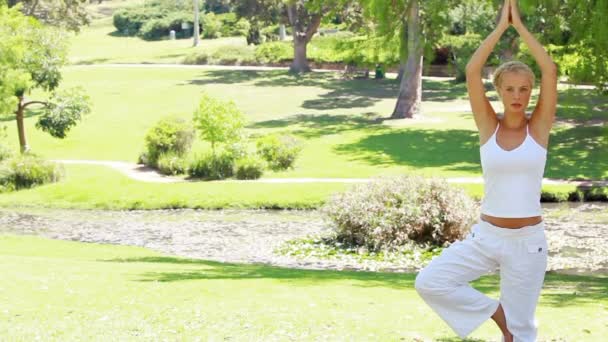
521,256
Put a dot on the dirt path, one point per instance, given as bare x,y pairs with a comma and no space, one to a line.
146,174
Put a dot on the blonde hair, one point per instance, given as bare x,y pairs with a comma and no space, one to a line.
512,66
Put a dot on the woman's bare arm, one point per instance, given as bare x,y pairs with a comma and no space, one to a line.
544,113
484,114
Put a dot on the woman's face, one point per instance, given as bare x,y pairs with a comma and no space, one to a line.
515,91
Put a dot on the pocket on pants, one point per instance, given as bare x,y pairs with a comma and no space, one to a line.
537,246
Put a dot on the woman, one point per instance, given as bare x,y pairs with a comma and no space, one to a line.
510,233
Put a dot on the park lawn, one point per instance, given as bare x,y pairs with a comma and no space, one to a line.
99,43
335,119
60,290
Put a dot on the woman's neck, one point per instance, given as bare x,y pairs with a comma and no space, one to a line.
514,120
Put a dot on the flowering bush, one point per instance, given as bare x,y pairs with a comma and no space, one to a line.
390,212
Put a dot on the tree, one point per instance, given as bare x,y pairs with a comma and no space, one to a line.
577,26
218,122
68,14
31,56
259,13
196,31
419,24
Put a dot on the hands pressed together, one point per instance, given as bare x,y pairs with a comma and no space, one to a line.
510,15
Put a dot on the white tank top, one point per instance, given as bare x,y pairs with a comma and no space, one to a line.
513,179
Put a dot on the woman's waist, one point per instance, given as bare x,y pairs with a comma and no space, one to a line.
512,222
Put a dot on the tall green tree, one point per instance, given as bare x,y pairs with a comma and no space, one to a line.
579,26
305,17
67,14
259,13
419,25
31,56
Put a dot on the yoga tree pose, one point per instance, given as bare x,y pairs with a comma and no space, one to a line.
510,233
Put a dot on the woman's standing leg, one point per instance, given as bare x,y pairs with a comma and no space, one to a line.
444,283
522,274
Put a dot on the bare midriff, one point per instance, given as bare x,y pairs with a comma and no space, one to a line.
512,223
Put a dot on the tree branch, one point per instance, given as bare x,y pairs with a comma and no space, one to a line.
34,102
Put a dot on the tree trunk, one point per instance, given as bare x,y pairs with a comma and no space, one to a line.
196,28
23,147
302,34
300,61
410,89
402,50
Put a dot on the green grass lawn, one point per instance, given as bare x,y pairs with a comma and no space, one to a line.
62,290
334,118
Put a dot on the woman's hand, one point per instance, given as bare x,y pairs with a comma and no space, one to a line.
514,18
505,16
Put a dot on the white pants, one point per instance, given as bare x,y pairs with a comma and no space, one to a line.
521,255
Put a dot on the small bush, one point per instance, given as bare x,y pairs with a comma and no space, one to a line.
390,212
170,134
172,164
231,26
26,171
279,151
211,25
274,52
232,54
249,168
212,166
198,58
129,21
154,29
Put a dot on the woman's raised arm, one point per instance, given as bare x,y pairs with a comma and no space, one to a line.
544,113
484,114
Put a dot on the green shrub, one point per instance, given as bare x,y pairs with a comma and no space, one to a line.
211,25
274,52
390,212
26,171
224,55
232,54
249,168
279,151
154,29
212,166
170,134
171,163
198,58
461,50
129,20
241,27
232,26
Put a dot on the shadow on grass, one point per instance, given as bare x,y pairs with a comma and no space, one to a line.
314,126
29,113
559,290
92,61
458,149
581,105
351,93
439,91
212,270
578,152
